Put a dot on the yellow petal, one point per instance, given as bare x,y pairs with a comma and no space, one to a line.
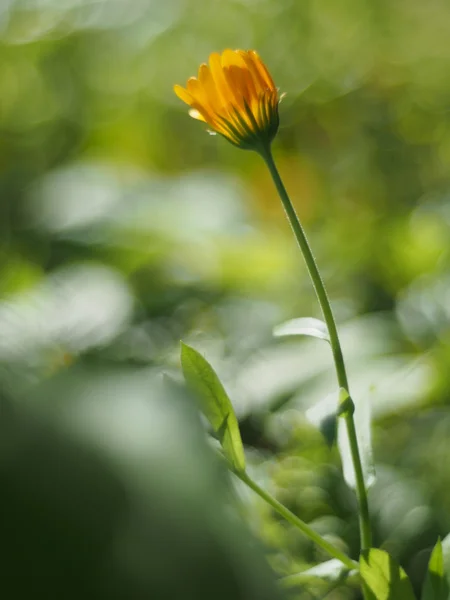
239,80
249,81
193,87
231,57
198,93
258,80
209,88
183,94
262,69
220,81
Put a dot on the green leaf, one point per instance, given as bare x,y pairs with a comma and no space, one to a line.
214,403
306,326
436,586
446,558
383,578
331,571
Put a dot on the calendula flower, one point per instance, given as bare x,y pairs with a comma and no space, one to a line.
236,96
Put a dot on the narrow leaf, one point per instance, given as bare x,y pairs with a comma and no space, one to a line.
332,570
383,578
214,403
436,586
305,326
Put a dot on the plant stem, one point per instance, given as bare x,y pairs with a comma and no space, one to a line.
294,520
319,287
361,492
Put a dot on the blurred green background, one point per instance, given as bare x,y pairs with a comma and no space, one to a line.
126,227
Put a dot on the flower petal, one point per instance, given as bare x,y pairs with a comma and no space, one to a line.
209,88
262,69
220,81
183,94
258,80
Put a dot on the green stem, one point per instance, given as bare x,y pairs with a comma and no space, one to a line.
294,520
364,516
364,519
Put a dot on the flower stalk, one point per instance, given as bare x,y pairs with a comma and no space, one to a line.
237,97
322,296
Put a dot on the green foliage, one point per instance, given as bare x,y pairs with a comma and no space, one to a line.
214,403
436,582
383,578
92,517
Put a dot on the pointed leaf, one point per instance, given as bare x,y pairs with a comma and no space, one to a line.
436,586
305,326
214,403
383,578
331,571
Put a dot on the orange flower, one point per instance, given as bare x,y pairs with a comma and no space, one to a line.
236,96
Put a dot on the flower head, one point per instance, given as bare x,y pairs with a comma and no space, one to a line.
236,96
